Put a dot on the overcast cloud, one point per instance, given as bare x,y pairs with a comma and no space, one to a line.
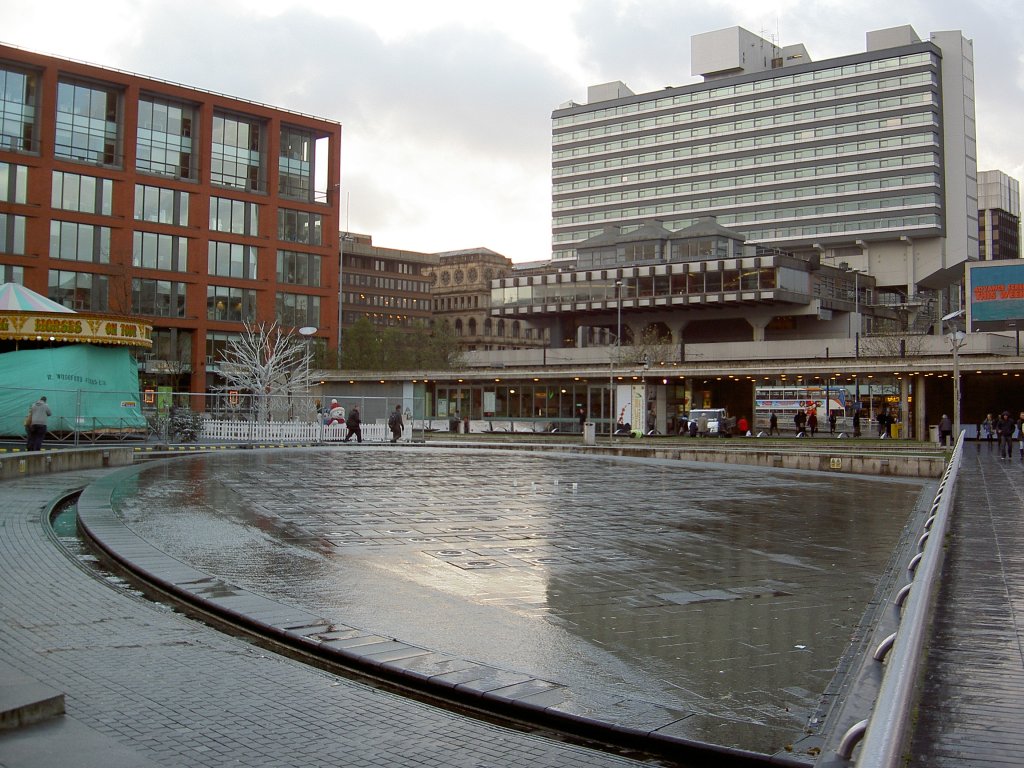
446,107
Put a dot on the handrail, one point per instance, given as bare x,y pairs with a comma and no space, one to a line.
890,719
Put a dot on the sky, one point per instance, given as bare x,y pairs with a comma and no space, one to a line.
446,106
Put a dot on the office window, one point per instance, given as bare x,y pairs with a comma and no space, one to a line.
298,309
166,206
153,251
217,345
236,160
87,124
13,183
232,260
174,345
295,164
18,93
298,268
85,194
163,143
78,290
11,273
79,242
235,216
12,234
299,226
162,298
225,303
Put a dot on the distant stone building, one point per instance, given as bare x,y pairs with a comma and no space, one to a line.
461,289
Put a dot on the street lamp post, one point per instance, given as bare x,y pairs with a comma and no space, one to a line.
956,341
307,332
612,422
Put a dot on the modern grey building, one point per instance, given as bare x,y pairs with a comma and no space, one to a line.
866,160
998,216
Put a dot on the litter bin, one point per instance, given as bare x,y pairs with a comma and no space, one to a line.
589,433
933,433
895,431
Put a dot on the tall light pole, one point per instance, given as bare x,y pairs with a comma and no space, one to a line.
612,422
307,332
956,341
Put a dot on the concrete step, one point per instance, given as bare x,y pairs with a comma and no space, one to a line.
23,701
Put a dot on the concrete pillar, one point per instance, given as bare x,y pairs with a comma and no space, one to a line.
920,427
908,431
758,324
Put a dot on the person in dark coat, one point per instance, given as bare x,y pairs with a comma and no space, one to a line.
945,430
38,413
1005,427
354,424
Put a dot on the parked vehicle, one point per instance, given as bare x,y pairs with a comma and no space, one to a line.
719,422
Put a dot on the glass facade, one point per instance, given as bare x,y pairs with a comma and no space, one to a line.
18,94
842,151
232,260
88,124
164,206
162,298
235,216
228,303
237,157
79,242
295,164
297,268
163,144
299,226
84,194
13,183
12,234
298,309
151,250
82,291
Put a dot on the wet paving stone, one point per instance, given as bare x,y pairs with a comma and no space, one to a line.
726,591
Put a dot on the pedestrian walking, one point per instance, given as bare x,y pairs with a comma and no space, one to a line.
988,427
773,425
396,424
856,423
832,419
354,424
1005,427
945,430
812,423
1020,434
35,422
883,421
799,420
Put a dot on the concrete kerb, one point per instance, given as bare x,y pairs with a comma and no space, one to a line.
465,683
25,463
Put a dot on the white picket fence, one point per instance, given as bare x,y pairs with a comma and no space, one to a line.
217,431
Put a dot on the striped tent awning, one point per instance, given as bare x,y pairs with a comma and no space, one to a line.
18,298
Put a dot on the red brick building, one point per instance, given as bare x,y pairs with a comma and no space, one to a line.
190,210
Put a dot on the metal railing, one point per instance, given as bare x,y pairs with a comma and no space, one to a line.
889,677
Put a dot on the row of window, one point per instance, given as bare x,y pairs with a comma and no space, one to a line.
88,129
764,213
373,264
86,291
730,92
725,147
854,228
377,281
913,102
860,186
388,302
491,327
720,180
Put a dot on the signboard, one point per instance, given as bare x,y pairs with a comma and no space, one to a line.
75,328
995,295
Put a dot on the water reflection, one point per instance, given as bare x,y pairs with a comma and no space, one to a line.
730,592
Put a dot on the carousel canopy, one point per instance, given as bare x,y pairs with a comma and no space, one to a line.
18,298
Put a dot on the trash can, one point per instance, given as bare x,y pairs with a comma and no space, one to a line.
895,431
589,433
933,433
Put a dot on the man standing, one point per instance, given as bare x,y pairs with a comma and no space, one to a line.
396,424
37,416
945,430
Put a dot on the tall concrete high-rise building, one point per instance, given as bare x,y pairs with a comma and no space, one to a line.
866,160
196,211
998,216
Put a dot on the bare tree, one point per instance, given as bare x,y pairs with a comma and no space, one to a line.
893,345
273,365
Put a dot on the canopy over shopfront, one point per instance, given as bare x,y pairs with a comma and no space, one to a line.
80,361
